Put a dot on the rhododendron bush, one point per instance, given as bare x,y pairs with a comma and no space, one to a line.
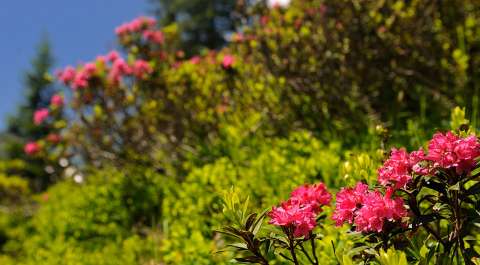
282,137
432,194
299,64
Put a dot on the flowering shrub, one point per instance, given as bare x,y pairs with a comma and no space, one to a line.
231,118
432,193
147,100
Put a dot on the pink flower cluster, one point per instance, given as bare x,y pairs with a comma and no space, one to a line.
301,210
80,78
444,151
368,210
54,138
451,151
31,148
40,115
116,70
145,26
136,25
397,170
227,61
56,101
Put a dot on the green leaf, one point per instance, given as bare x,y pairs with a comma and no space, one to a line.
455,187
475,189
250,221
240,246
392,257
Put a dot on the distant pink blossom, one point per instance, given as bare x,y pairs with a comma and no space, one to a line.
156,36
177,64
238,37
67,75
136,25
228,61
264,20
141,68
118,70
89,69
195,59
81,80
53,138
57,100
31,148
113,56
122,29
278,3
40,116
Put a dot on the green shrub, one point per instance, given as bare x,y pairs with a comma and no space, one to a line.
102,221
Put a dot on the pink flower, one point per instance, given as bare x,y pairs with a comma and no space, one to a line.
368,210
56,100
291,214
122,29
135,25
448,150
300,211
31,148
177,64
141,68
376,209
278,3
150,22
113,56
154,36
228,61
53,138
89,69
467,150
315,196
238,37
81,80
119,69
195,59
264,20
349,200
40,116
67,75
398,168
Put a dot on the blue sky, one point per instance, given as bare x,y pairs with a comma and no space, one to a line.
77,30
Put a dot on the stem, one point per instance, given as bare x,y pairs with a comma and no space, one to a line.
294,256
384,237
306,254
291,245
413,203
314,249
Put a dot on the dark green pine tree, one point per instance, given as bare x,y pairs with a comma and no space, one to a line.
202,24
20,129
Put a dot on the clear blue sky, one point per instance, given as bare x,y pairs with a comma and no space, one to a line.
78,31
